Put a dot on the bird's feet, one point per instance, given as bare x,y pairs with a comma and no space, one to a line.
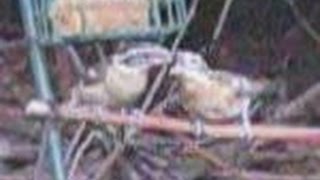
199,131
246,125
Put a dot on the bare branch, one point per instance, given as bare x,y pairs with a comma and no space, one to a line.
109,161
222,19
83,146
218,29
173,125
74,142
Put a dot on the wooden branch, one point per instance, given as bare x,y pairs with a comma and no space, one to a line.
173,125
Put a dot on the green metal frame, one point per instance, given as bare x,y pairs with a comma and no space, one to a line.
38,31
165,17
43,86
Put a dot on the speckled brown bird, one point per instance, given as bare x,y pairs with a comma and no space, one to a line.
125,78
212,94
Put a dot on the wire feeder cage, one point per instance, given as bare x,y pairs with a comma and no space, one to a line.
61,21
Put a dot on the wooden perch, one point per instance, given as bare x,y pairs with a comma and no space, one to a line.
173,125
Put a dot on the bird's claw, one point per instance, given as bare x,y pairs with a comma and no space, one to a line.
199,131
199,128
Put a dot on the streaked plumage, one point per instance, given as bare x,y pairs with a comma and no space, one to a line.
212,94
125,78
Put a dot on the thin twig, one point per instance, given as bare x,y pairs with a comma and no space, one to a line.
303,22
74,142
218,29
109,161
83,146
81,70
222,19
165,68
171,97
76,61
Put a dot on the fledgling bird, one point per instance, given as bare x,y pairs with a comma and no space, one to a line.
125,79
212,94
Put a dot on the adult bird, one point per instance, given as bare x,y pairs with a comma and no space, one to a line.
124,79
213,95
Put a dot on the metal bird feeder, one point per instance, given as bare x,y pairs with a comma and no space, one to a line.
156,19
40,19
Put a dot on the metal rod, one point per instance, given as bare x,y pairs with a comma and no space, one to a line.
43,86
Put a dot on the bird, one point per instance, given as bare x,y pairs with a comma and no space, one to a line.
212,94
125,78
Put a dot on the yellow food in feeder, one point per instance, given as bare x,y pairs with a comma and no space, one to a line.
74,17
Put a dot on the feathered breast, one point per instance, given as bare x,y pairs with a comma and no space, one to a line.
124,83
210,98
